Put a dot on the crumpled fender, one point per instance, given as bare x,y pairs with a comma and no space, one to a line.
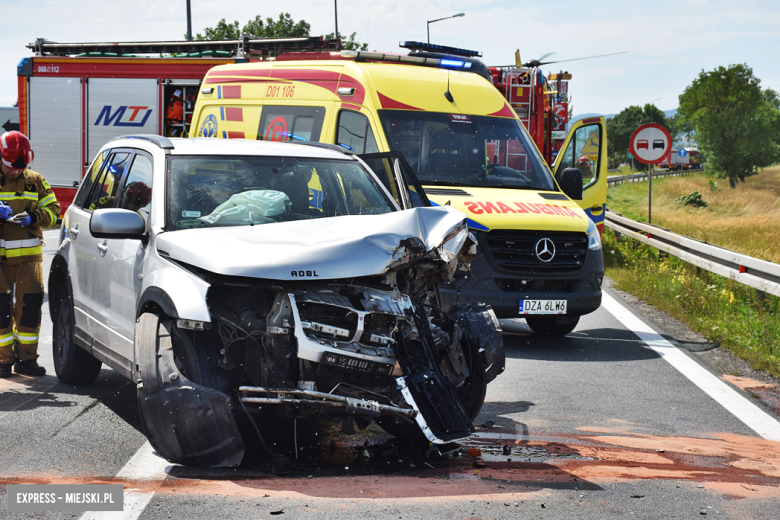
185,422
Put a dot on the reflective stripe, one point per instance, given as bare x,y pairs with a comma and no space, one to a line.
17,253
14,244
6,339
51,216
26,337
31,195
47,200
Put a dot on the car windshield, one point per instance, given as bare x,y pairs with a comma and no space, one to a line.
466,150
209,191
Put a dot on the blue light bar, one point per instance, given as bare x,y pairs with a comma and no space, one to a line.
432,47
453,63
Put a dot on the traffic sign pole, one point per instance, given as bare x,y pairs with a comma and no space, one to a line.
651,143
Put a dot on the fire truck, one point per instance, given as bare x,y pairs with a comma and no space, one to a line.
75,97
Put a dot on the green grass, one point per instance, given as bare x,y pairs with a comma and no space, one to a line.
737,317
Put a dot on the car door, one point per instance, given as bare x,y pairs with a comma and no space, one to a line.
585,148
120,262
90,292
397,176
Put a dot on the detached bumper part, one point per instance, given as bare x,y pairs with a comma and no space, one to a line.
185,422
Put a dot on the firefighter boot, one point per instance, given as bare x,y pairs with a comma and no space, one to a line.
29,368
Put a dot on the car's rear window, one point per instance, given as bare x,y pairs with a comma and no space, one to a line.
209,191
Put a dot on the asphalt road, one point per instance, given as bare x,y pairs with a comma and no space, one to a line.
612,421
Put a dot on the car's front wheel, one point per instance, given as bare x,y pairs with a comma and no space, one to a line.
73,365
552,325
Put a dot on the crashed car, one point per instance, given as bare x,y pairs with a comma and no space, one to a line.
227,277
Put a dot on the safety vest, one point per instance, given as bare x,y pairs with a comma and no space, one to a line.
31,193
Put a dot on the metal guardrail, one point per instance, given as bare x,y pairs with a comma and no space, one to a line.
638,177
759,274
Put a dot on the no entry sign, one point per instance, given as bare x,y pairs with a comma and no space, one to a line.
650,143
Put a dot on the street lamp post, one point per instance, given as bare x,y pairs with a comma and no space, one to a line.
439,20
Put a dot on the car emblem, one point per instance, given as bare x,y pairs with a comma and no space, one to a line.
545,250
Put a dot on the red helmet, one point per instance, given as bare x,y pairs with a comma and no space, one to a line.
16,150
137,195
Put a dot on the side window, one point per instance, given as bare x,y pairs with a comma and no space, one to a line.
137,192
354,133
89,180
105,191
582,153
285,123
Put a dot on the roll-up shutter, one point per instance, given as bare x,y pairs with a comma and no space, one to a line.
55,128
120,106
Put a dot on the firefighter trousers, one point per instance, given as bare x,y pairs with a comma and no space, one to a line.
21,299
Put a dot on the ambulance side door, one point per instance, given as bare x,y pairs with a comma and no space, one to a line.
585,148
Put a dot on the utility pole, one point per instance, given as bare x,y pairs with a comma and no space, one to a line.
189,22
336,12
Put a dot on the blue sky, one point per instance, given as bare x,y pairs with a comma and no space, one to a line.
673,40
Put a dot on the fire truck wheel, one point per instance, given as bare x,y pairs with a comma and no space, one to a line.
552,325
73,365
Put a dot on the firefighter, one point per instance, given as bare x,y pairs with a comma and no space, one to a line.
26,196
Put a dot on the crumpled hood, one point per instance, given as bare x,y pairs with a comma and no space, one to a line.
318,249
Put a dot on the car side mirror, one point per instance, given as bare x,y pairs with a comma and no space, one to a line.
117,223
570,181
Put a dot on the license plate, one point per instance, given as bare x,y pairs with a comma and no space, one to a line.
543,306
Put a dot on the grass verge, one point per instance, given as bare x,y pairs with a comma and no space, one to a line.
737,317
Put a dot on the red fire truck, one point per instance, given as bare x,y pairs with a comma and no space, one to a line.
75,97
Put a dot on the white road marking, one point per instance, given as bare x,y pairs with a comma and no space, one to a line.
754,417
146,464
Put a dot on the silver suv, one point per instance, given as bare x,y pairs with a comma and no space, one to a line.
224,276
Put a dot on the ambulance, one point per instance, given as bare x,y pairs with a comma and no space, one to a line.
434,120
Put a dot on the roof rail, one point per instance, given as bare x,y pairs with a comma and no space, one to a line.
241,48
162,142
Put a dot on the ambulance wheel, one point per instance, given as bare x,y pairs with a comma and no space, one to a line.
73,365
552,325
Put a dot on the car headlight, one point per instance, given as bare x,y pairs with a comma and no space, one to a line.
594,237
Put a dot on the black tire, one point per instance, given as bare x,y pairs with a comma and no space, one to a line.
197,361
552,325
73,364
472,391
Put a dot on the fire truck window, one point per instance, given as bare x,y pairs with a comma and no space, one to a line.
354,133
105,191
285,123
137,193
89,180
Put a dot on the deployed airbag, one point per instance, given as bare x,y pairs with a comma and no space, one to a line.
249,207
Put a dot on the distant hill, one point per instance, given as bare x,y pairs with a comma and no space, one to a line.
668,113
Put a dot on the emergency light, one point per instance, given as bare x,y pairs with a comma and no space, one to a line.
430,47
455,64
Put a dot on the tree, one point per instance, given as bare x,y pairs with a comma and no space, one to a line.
349,44
622,125
284,27
736,122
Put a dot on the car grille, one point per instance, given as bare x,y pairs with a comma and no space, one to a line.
514,250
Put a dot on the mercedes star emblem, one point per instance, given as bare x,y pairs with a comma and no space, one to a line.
545,250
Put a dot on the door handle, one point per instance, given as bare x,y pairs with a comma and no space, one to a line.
74,231
103,248
596,209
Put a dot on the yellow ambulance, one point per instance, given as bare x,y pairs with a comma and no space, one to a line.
436,120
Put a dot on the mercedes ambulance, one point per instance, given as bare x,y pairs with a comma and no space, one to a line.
436,117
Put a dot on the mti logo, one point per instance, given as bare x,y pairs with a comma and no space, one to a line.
118,117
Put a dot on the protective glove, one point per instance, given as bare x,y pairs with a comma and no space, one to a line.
5,212
25,221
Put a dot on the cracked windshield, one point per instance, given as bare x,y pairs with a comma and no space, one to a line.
237,191
466,150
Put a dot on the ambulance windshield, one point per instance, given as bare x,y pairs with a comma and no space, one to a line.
466,150
213,191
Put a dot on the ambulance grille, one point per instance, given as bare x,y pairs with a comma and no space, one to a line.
514,251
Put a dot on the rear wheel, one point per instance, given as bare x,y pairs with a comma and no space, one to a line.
552,325
73,365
